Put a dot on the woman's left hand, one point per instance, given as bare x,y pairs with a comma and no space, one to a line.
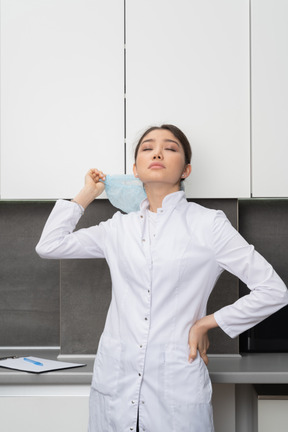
198,337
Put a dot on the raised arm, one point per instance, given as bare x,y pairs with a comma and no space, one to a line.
58,239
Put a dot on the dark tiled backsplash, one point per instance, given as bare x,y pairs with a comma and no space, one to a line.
52,303
29,286
264,223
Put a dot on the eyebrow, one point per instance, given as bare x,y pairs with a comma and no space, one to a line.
165,140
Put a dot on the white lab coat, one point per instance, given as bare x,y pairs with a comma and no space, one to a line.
158,292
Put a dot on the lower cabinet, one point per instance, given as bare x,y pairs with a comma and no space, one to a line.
64,408
261,407
44,408
272,407
273,415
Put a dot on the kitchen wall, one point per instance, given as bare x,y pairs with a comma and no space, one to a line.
53,303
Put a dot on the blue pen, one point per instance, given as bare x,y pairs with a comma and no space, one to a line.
36,363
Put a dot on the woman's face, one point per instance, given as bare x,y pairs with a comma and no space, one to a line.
161,159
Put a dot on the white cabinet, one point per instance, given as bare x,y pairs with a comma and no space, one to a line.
44,408
62,94
188,64
269,55
65,408
273,415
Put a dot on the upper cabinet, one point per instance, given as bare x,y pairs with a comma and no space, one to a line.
64,72
62,95
269,66
188,64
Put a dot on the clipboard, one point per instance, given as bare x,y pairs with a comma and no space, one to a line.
36,365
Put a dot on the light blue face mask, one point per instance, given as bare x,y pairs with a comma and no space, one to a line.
126,192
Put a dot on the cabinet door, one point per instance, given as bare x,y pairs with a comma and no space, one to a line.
269,42
44,408
188,64
62,92
273,415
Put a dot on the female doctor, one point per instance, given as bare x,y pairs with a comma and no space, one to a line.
150,370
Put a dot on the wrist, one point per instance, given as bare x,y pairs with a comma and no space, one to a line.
206,323
85,196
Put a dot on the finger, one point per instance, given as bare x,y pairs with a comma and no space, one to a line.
96,174
192,353
102,175
204,357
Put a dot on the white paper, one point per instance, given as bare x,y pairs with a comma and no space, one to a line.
27,366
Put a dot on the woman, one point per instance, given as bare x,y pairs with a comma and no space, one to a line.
150,372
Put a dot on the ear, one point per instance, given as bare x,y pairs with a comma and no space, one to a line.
135,170
187,171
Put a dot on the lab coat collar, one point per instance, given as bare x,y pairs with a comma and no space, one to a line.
170,201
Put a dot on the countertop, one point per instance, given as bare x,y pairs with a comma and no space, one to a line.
245,369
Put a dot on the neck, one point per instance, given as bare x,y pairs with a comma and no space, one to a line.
156,195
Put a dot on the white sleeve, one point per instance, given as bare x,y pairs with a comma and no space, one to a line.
58,241
268,292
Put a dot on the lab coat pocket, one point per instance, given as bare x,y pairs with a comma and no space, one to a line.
185,383
107,366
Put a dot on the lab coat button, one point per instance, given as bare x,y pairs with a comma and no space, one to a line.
146,319
133,402
139,374
141,346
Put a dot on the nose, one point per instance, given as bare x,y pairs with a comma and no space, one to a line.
157,154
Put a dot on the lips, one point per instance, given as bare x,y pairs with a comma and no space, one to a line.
156,165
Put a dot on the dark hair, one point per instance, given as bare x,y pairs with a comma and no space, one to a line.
177,133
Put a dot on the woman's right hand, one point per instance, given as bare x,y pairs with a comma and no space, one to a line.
92,189
93,183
